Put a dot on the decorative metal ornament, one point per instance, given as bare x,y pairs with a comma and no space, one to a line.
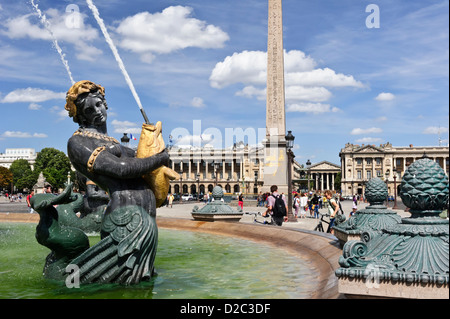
370,221
413,255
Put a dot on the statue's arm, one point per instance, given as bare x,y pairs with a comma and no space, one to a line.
128,167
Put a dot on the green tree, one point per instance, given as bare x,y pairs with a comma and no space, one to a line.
6,177
54,165
22,174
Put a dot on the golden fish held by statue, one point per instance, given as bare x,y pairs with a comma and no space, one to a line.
151,142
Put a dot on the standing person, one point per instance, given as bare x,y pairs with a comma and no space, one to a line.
355,207
296,204
277,206
241,201
47,188
260,199
315,203
303,204
333,208
170,200
30,209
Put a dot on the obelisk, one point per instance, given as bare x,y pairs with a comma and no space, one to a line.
275,160
275,116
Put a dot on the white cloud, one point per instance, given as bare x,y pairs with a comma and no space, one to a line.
34,106
167,31
369,140
250,67
435,130
360,131
247,67
315,108
33,95
251,91
312,94
189,140
197,102
381,119
305,86
126,127
80,36
385,97
18,134
322,77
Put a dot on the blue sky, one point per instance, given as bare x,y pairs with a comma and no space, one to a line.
200,66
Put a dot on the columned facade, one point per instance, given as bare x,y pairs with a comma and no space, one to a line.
237,170
361,163
323,176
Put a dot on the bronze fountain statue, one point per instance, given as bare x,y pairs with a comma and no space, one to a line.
129,233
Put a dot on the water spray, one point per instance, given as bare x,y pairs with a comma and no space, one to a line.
116,56
47,26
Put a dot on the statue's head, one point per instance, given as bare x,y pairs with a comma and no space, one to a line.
86,104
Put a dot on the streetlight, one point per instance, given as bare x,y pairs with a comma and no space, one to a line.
395,188
125,139
216,168
387,180
290,145
181,183
170,142
198,186
308,164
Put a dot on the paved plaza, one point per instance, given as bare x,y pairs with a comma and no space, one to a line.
183,210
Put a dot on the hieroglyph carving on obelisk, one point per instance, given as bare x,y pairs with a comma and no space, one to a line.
275,157
275,109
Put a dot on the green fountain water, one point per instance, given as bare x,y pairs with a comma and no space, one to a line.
190,265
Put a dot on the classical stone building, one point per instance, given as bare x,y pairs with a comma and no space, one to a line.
12,154
238,169
361,163
323,175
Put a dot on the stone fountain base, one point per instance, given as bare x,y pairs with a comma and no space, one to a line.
217,209
357,288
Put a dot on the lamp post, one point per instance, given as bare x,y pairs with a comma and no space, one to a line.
216,168
124,139
395,188
308,164
290,145
387,180
181,183
198,186
170,142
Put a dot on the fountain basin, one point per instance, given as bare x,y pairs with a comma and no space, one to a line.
320,252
